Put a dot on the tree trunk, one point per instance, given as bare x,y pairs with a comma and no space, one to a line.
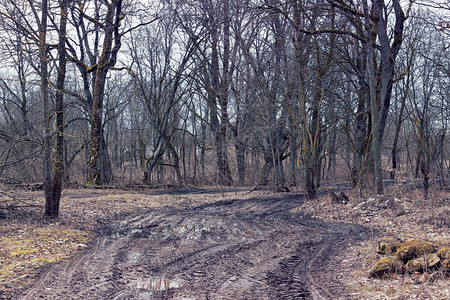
105,62
265,171
218,85
176,161
48,186
396,137
240,159
441,156
362,138
293,160
219,129
374,112
53,184
203,148
331,169
106,175
274,148
153,160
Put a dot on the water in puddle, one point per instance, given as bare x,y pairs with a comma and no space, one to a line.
157,284
196,231
190,231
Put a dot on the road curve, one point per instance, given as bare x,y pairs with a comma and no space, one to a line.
235,249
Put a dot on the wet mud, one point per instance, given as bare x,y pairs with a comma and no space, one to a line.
237,249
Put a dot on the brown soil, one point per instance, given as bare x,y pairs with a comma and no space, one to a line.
212,244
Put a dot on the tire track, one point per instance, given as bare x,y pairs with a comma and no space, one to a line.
241,249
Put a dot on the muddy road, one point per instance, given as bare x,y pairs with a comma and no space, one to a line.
234,249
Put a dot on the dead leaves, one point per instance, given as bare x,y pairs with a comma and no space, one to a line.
24,248
402,213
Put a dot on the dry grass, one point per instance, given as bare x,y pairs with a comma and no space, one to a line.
28,241
401,212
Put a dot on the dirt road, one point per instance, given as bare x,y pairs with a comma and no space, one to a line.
237,249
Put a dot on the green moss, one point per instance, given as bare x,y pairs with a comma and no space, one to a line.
23,252
443,253
387,265
45,259
414,248
388,246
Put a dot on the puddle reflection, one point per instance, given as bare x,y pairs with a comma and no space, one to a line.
157,284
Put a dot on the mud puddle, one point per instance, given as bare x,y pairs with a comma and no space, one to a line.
239,249
156,284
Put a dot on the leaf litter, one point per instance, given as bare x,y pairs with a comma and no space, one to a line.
401,213
28,241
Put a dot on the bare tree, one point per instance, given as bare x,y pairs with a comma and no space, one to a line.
217,80
161,81
106,60
53,189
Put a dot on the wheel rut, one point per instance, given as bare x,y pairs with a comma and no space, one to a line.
240,249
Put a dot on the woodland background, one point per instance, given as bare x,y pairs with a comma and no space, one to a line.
288,93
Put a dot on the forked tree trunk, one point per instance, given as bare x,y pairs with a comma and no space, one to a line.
106,61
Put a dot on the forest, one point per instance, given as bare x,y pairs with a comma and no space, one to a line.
223,92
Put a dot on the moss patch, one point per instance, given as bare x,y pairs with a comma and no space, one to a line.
387,265
388,245
414,248
408,256
23,250
443,253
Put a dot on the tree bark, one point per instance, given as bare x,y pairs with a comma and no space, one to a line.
105,62
396,137
217,88
53,182
43,56
374,112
